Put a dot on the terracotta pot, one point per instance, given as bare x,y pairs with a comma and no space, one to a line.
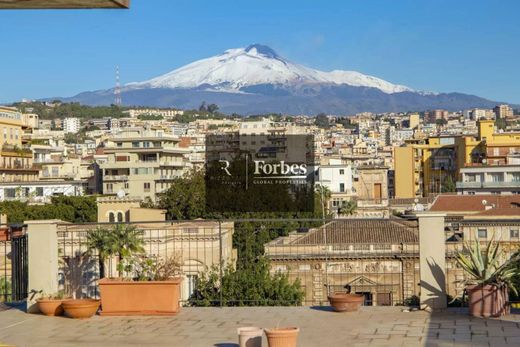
124,298
250,337
282,337
50,307
4,234
80,308
488,300
344,302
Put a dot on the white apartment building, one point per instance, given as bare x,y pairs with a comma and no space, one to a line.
337,178
40,191
71,125
477,180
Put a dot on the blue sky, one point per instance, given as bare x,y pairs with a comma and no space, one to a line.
442,45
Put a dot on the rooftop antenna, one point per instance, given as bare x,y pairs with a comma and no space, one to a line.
117,89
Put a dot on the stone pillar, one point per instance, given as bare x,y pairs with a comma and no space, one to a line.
42,247
432,248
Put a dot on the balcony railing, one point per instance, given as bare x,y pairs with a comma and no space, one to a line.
115,178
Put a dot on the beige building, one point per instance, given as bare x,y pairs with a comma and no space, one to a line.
142,163
16,162
198,245
372,191
377,258
503,111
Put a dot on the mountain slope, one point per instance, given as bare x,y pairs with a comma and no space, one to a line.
256,79
254,65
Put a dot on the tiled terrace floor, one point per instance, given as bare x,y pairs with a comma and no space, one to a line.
374,326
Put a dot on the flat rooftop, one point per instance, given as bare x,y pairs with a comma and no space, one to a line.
63,4
319,326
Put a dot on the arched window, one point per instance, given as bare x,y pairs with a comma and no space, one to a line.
111,217
120,217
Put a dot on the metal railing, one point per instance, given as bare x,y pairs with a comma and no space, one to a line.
264,259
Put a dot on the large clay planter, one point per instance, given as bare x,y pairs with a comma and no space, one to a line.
50,307
344,302
282,337
130,298
488,301
250,337
80,308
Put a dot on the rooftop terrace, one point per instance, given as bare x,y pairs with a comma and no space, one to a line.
371,326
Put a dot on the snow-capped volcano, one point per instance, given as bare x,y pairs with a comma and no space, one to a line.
256,80
257,65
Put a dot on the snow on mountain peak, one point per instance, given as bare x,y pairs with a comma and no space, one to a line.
254,65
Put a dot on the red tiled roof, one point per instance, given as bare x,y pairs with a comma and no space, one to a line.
472,203
363,231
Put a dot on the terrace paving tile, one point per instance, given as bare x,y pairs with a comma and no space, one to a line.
209,327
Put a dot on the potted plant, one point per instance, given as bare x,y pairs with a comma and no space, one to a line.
345,302
51,305
282,337
145,286
489,278
153,290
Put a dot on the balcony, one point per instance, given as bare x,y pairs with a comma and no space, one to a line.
501,184
113,178
465,185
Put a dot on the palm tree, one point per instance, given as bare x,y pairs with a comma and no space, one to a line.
127,240
100,240
348,208
324,195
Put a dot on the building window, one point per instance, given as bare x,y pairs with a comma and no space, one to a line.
341,171
126,185
120,144
515,177
146,186
10,192
110,187
39,191
514,234
342,187
111,217
496,177
482,233
135,144
120,217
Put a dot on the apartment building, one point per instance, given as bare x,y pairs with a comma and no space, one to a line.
16,160
337,178
487,179
71,125
503,111
423,167
142,162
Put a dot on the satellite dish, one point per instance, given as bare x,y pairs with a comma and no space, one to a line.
484,202
419,208
121,194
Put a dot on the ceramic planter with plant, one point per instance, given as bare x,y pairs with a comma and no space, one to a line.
51,305
153,290
489,278
145,286
346,302
282,337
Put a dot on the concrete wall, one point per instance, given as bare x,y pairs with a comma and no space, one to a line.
43,260
432,248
